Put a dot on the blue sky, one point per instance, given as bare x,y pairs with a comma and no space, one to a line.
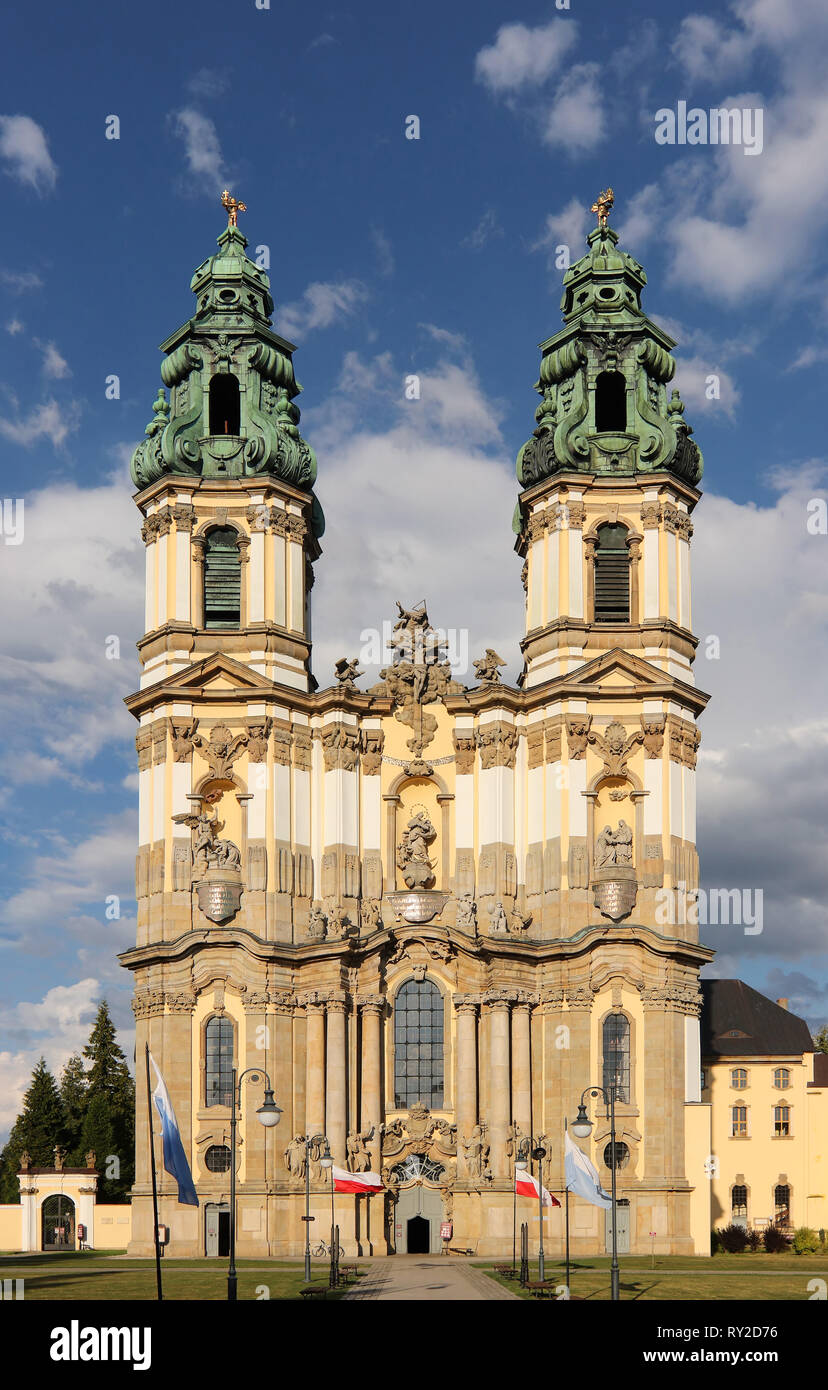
390,256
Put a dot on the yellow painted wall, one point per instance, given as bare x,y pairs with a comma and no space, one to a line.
10,1227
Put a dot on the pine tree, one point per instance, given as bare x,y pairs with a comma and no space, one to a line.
109,1123
73,1092
40,1126
821,1039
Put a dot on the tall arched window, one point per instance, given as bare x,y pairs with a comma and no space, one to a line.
617,1056
782,1204
225,404
612,575
418,1045
218,1076
738,1200
222,579
610,403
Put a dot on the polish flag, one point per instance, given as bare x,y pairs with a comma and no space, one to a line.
526,1185
362,1184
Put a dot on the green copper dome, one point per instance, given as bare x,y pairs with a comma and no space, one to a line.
230,412
603,380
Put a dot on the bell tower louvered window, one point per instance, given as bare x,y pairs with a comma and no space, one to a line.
612,575
222,579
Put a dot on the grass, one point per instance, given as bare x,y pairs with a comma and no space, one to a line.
720,1278
99,1276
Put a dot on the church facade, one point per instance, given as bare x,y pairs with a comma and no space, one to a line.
433,913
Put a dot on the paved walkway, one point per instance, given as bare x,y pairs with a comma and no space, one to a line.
422,1278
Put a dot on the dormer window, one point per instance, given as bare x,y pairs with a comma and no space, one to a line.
610,403
225,404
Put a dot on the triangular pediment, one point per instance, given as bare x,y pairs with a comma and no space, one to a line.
616,673
216,674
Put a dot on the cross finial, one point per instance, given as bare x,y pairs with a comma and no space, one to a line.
602,206
233,206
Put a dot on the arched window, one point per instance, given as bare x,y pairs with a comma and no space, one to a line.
225,404
222,579
418,1045
612,575
781,1121
610,403
781,1078
782,1204
218,1078
617,1056
738,1200
738,1079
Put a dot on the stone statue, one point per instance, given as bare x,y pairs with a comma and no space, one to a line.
59,1157
370,914
91,1158
257,737
359,1159
412,851
500,926
296,1156
477,1153
517,922
317,924
614,846
25,1161
337,919
183,733
347,672
485,668
208,851
467,915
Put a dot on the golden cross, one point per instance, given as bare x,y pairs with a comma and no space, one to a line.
602,206
234,207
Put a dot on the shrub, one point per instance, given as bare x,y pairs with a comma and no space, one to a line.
754,1240
776,1242
805,1241
732,1238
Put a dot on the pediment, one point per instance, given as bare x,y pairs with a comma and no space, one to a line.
217,675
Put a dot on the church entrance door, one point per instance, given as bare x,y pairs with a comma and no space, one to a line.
417,1221
217,1229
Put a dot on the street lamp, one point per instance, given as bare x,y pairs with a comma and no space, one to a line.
269,1114
325,1161
539,1154
583,1128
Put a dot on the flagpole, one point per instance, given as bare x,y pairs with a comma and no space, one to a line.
160,1292
566,1189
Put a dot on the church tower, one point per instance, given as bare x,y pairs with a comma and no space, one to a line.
434,913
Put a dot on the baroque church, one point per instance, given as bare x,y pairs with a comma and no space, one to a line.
430,912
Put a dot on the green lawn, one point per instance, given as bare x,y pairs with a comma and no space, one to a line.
721,1278
101,1275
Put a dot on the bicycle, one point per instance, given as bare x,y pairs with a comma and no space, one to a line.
323,1251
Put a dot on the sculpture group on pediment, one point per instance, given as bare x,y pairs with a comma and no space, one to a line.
418,676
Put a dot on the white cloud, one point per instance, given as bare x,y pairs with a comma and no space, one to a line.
524,57
565,228
202,149
385,255
575,121
50,420
24,148
707,51
486,230
322,304
18,281
14,326
54,364
643,214
697,377
208,82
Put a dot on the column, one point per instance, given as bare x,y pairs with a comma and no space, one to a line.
315,1068
372,1008
521,1068
499,1094
335,1081
465,1104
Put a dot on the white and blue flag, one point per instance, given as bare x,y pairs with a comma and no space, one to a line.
582,1175
175,1159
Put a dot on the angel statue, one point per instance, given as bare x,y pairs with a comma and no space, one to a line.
485,668
208,851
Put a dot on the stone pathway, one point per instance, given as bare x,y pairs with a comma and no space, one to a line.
419,1277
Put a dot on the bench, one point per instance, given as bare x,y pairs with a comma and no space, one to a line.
347,1272
507,1271
543,1288
314,1291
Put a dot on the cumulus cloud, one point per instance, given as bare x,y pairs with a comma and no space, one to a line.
202,148
24,150
322,304
51,420
575,120
486,230
565,228
521,57
54,363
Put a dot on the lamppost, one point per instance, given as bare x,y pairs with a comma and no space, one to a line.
583,1128
325,1161
520,1167
539,1154
269,1115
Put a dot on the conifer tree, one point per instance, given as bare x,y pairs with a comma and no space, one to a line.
109,1122
40,1126
821,1039
73,1093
